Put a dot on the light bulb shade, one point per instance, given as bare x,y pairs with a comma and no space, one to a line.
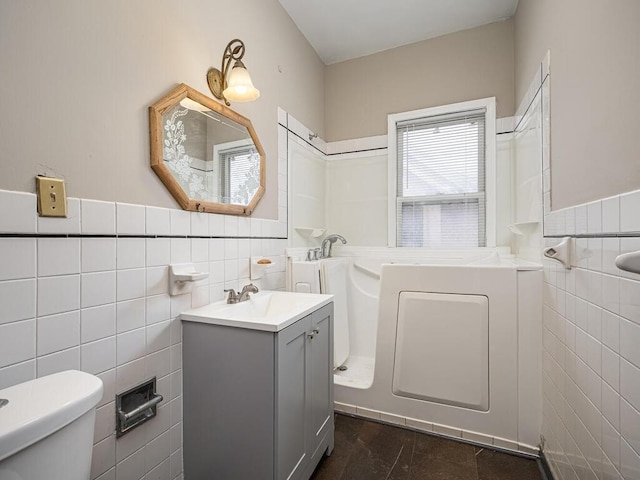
240,87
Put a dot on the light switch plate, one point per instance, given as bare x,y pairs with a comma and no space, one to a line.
52,197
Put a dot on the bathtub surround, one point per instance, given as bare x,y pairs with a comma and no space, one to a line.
90,292
591,336
531,166
343,186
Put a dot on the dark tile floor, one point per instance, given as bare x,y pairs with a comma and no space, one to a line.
367,450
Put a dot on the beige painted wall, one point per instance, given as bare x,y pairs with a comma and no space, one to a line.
462,66
595,94
78,76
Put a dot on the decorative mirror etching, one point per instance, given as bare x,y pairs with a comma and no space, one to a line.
210,158
176,158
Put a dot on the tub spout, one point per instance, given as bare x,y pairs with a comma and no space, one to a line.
328,242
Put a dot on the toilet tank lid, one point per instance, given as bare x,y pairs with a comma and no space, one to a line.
40,407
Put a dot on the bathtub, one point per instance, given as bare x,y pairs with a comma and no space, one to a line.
442,341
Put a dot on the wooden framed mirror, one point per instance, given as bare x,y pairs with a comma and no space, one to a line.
208,156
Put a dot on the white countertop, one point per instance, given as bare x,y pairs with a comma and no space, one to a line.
269,311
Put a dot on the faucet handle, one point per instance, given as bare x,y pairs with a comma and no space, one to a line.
233,296
250,287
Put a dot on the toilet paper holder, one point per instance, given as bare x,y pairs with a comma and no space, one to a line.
136,406
561,252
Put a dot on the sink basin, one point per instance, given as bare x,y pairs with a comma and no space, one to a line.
267,310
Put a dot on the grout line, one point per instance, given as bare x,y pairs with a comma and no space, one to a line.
88,235
596,235
364,150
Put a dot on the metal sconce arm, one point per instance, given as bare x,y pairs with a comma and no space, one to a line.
217,79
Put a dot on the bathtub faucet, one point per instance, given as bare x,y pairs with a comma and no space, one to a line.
328,242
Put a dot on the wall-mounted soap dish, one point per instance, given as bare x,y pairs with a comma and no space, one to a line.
260,266
523,228
182,276
314,232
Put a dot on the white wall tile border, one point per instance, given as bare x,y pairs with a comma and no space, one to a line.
68,225
94,217
158,221
617,215
18,213
97,217
130,219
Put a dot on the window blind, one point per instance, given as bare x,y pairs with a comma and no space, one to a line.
441,181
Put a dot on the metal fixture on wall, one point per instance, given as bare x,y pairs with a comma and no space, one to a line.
238,87
562,252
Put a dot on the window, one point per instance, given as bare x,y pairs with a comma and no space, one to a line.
441,166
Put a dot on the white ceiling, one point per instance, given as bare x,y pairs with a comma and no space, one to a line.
344,29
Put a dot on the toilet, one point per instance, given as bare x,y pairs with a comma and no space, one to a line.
46,427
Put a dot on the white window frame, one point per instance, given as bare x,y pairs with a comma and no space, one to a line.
489,104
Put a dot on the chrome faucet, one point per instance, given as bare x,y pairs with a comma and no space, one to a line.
328,242
243,295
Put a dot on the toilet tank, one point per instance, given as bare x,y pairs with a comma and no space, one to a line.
46,428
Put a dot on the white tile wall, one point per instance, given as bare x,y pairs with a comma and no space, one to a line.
18,258
16,215
70,224
130,219
98,254
131,253
100,304
180,222
97,217
158,221
58,256
591,336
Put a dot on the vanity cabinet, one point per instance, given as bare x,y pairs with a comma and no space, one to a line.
258,404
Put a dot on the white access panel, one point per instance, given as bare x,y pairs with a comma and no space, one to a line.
442,349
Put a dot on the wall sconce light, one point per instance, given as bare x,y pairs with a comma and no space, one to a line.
238,87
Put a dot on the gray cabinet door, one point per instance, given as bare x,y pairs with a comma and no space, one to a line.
293,390
320,406
228,402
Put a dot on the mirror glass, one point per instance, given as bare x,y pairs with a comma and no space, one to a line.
207,155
